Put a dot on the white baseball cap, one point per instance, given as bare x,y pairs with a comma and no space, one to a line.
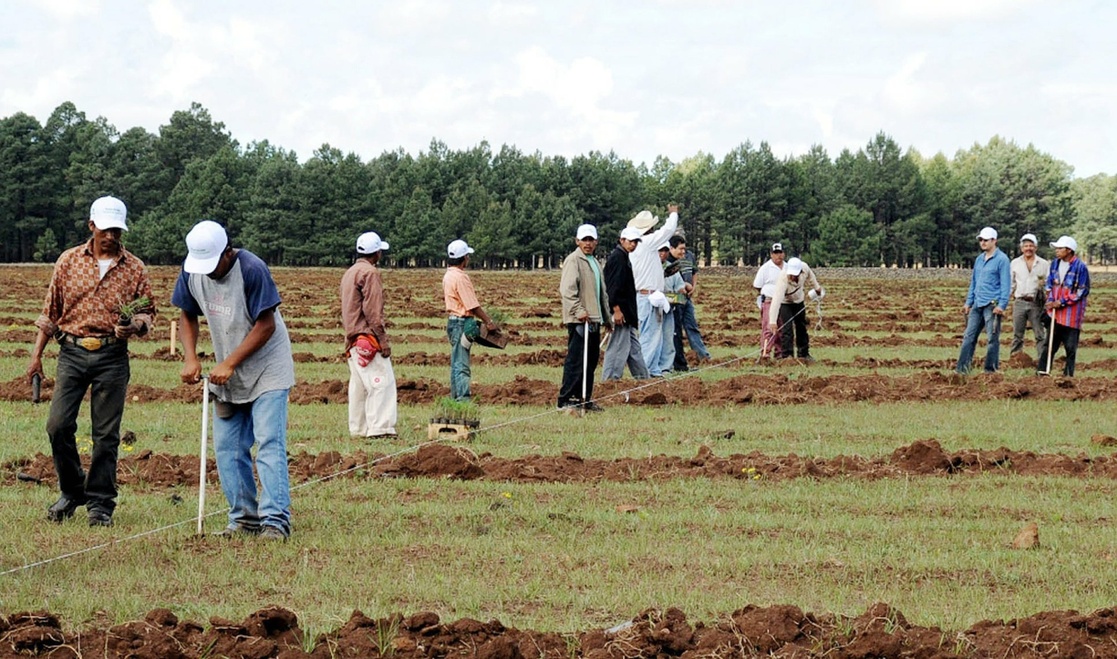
458,249
632,233
794,266
205,242
1066,241
109,213
586,231
370,243
988,233
1029,237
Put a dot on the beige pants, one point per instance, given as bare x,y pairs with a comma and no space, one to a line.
372,397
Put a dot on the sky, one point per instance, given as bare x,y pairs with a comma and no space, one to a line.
642,78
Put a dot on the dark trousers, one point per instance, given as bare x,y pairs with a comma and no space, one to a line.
1068,338
571,389
796,331
105,374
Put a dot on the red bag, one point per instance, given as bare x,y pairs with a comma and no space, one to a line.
366,346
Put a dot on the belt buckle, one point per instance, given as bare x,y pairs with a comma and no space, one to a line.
90,343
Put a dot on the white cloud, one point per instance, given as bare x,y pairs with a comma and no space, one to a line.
948,11
69,10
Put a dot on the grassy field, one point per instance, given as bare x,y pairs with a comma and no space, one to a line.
560,556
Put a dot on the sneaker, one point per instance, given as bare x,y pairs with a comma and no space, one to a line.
593,407
100,518
237,531
63,509
273,533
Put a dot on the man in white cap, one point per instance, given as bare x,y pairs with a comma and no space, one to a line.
585,307
986,301
1068,284
91,287
235,291
647,272
765,284
1029,272
372,383
464,311
624,343
789,309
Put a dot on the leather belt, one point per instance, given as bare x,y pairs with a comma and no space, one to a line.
90,343
646,291
1027,298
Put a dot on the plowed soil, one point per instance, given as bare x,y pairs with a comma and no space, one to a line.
776,631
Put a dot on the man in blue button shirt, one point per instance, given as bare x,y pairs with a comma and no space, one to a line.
986,301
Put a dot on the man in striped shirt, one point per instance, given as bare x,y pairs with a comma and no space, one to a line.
1068,284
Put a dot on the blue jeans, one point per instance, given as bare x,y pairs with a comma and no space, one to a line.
105,374
651,334
686,326
262,422
459,358
981,318
667,345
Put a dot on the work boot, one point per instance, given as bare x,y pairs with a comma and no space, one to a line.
100,518
63,509
273,533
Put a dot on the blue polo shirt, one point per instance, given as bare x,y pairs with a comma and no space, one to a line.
991,281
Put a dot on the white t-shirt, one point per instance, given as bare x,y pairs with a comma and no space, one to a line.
766,278
647,270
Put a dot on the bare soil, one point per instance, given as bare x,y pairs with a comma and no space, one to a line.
775,631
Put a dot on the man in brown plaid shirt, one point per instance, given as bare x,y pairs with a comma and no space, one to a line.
89,286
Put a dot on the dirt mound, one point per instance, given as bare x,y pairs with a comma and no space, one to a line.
780,630
148,470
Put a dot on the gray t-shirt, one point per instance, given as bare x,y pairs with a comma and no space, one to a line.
231,306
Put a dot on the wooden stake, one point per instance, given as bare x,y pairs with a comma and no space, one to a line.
174,329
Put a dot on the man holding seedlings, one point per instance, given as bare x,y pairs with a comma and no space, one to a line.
686,323
1029,272
990,285
765,284
648,273
789,309
90,287
584,301
1068,284
372,383
464,311
235,291
620,286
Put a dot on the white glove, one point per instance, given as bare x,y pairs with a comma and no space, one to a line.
816,295
760,302
659,301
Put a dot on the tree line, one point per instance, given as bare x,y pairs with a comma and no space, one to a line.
879,205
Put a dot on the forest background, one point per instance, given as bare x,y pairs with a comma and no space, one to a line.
882,205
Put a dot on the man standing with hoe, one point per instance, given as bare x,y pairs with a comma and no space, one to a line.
1068,284
584,305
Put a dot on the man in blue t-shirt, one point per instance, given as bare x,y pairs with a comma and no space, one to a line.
986,302
235,291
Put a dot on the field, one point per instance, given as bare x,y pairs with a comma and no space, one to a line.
865,505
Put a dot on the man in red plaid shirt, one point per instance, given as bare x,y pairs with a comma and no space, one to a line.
1068,284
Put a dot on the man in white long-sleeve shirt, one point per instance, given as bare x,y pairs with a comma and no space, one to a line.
648,275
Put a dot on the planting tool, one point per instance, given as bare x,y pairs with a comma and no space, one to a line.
202,463
585,363
1050,343
36,387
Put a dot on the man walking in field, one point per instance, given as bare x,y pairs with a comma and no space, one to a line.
1068,284
765,284
90,285
372,383
986,301
584,309
624,344
647,270
464,311
1029,273
235,291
